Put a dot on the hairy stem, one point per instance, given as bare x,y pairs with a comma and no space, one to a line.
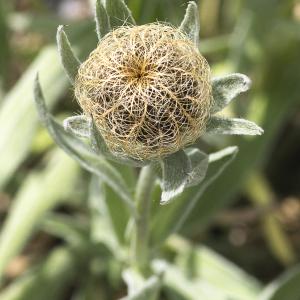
143,205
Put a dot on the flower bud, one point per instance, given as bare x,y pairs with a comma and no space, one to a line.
148,90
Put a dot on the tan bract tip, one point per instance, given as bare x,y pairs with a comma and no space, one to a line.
148,90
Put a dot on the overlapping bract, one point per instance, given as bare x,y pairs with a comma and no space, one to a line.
148,90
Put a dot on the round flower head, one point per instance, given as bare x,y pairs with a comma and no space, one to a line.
147,89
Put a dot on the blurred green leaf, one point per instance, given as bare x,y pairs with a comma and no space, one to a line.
14,147
67,57
81,152
18,103
5,48
51,279
102,222
201,265
66,228
39,193
285,287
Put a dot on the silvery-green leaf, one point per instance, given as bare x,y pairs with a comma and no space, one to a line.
119,13
79,151
68,59
199,165
100,147
78,125
233,126
191,24
226,88
139,288
102,20
175,175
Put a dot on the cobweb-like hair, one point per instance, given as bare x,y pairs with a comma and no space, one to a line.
148,90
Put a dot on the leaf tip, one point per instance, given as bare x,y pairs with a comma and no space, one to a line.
246,82
168,196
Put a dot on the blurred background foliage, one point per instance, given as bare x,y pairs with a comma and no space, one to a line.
251,214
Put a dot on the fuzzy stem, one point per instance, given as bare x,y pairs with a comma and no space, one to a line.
143,205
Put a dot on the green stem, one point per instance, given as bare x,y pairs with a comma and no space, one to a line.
143,205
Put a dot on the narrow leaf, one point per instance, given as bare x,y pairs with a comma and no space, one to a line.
119,13
53,185
191,24
285,287
234,126
199,165
175,170
78,125
226,88
205,266
81,152
68,59
102,20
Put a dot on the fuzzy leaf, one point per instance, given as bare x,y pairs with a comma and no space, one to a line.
226,88
233,126
81,152
68,59
102,20
191,24
175,175
119,13
199,163
78,125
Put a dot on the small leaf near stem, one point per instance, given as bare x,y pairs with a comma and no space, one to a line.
175,168
221,159
140,241
68,59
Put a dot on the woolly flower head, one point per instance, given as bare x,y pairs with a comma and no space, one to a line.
147,89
